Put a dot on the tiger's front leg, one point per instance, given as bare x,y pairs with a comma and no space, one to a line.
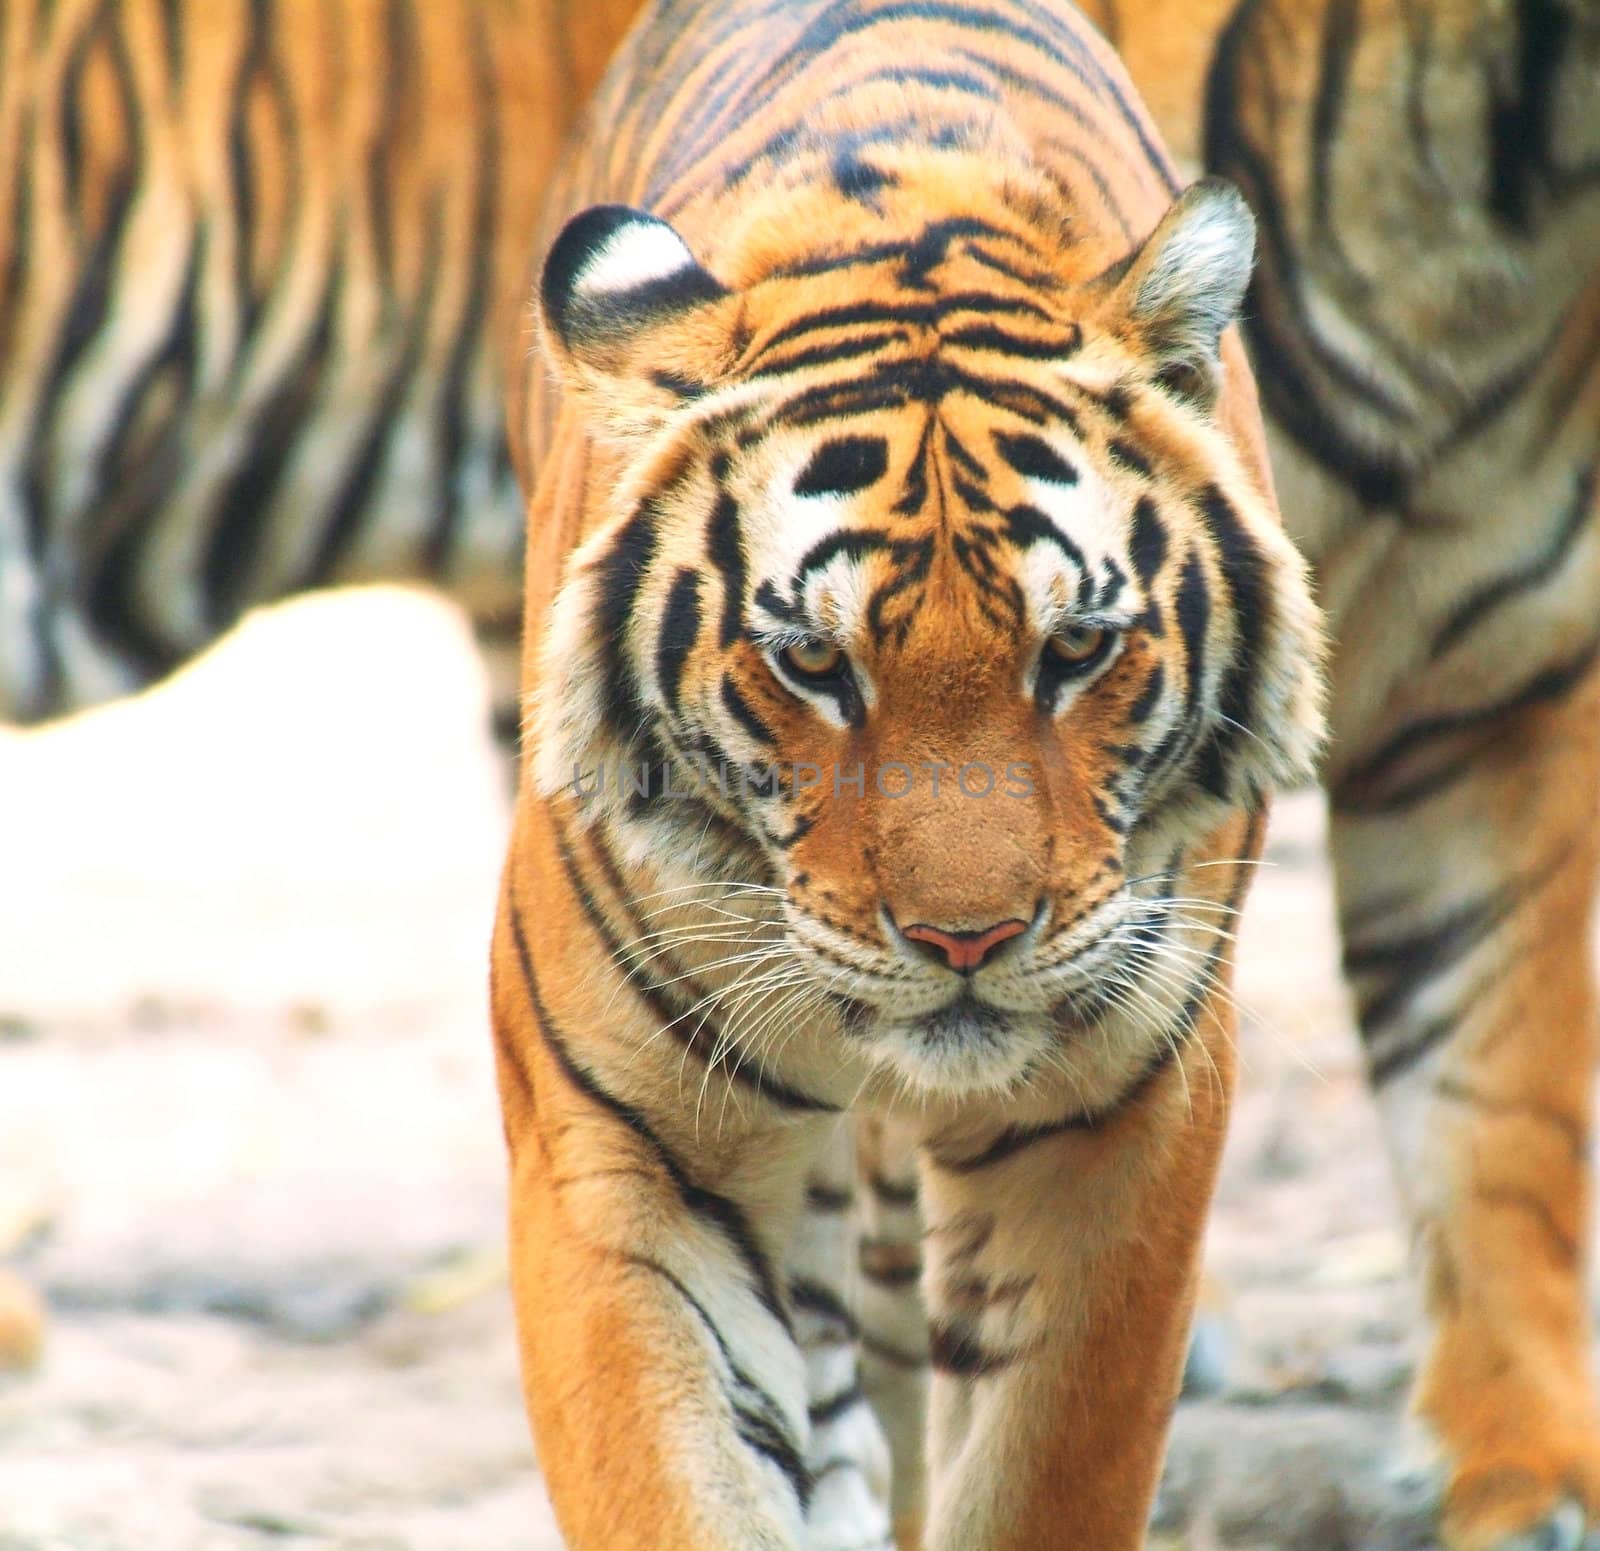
1060,1281
663,1374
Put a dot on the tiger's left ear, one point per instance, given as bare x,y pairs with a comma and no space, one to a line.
632,322
1179,291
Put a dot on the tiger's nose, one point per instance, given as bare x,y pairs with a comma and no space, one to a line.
962,951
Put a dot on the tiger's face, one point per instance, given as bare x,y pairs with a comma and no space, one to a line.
944,609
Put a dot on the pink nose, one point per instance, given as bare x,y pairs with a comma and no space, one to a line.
964,951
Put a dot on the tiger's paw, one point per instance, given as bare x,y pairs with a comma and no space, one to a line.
1520,1485
21,1323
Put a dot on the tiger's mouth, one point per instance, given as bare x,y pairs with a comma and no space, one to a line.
1092,1005
1080,1003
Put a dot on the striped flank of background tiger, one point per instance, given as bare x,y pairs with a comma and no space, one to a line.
887,413
1426,321
257,262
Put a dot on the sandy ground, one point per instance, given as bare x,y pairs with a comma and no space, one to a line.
250,1151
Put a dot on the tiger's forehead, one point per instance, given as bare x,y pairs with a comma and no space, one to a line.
902,313
854,528
917,437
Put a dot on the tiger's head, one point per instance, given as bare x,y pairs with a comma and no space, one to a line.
931,593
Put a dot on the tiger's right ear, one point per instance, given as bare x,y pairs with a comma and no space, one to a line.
632,322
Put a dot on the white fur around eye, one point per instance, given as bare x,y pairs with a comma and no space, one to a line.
634,255
780,529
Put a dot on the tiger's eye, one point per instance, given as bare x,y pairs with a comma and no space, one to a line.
814,659
1078,644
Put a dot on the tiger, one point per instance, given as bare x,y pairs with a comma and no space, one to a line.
913,649
257,262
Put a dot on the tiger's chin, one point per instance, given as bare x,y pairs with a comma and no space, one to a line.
971,1048
964,1049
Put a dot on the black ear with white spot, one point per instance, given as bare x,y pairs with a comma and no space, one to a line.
1186,285
630,315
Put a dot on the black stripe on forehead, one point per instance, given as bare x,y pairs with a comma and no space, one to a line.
854,543
914,314
919,379
958,452
831,352
990,336
1000,597
1034,458
1027,525
912,561
842,465
851,542
1112,580
914,491
909,561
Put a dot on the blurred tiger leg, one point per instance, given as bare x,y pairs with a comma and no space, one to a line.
1465,851
894,1326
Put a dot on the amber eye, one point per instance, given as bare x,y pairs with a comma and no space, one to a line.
1077,646
814,659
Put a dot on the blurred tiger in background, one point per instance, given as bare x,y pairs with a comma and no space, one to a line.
258,261
1425,327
